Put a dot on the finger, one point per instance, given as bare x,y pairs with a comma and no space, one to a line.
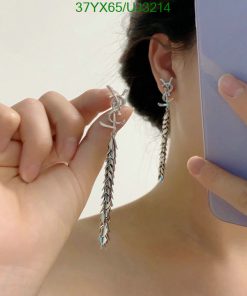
92,102
89,104
11,155
231,188
92,151
9,161
234,92
68,122
35,135
9,123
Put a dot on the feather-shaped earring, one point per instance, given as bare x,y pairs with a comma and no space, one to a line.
117,102
165,125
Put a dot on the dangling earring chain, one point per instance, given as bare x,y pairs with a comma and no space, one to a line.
117,102
165,125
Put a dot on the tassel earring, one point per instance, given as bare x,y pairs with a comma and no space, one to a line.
165,125
117,102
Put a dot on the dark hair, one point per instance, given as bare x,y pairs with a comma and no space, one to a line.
179,25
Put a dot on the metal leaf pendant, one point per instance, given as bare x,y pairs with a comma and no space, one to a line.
107,194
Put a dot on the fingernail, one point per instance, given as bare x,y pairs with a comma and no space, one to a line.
68,149
30,173
230,85
195,165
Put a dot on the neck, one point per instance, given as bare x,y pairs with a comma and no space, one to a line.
181,202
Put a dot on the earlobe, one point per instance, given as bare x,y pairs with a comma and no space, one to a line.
160,58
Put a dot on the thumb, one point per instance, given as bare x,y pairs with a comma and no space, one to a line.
92,151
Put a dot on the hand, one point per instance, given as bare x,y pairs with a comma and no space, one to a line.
40,198
231,188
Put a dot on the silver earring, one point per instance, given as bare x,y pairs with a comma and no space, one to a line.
165,125
117,102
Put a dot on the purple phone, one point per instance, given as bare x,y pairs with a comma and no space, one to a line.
222,48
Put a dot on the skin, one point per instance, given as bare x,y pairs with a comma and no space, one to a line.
160,243
169,235
188,205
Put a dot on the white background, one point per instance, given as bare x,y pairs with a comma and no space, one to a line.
47,45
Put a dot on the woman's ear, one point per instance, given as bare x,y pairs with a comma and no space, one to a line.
160,58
